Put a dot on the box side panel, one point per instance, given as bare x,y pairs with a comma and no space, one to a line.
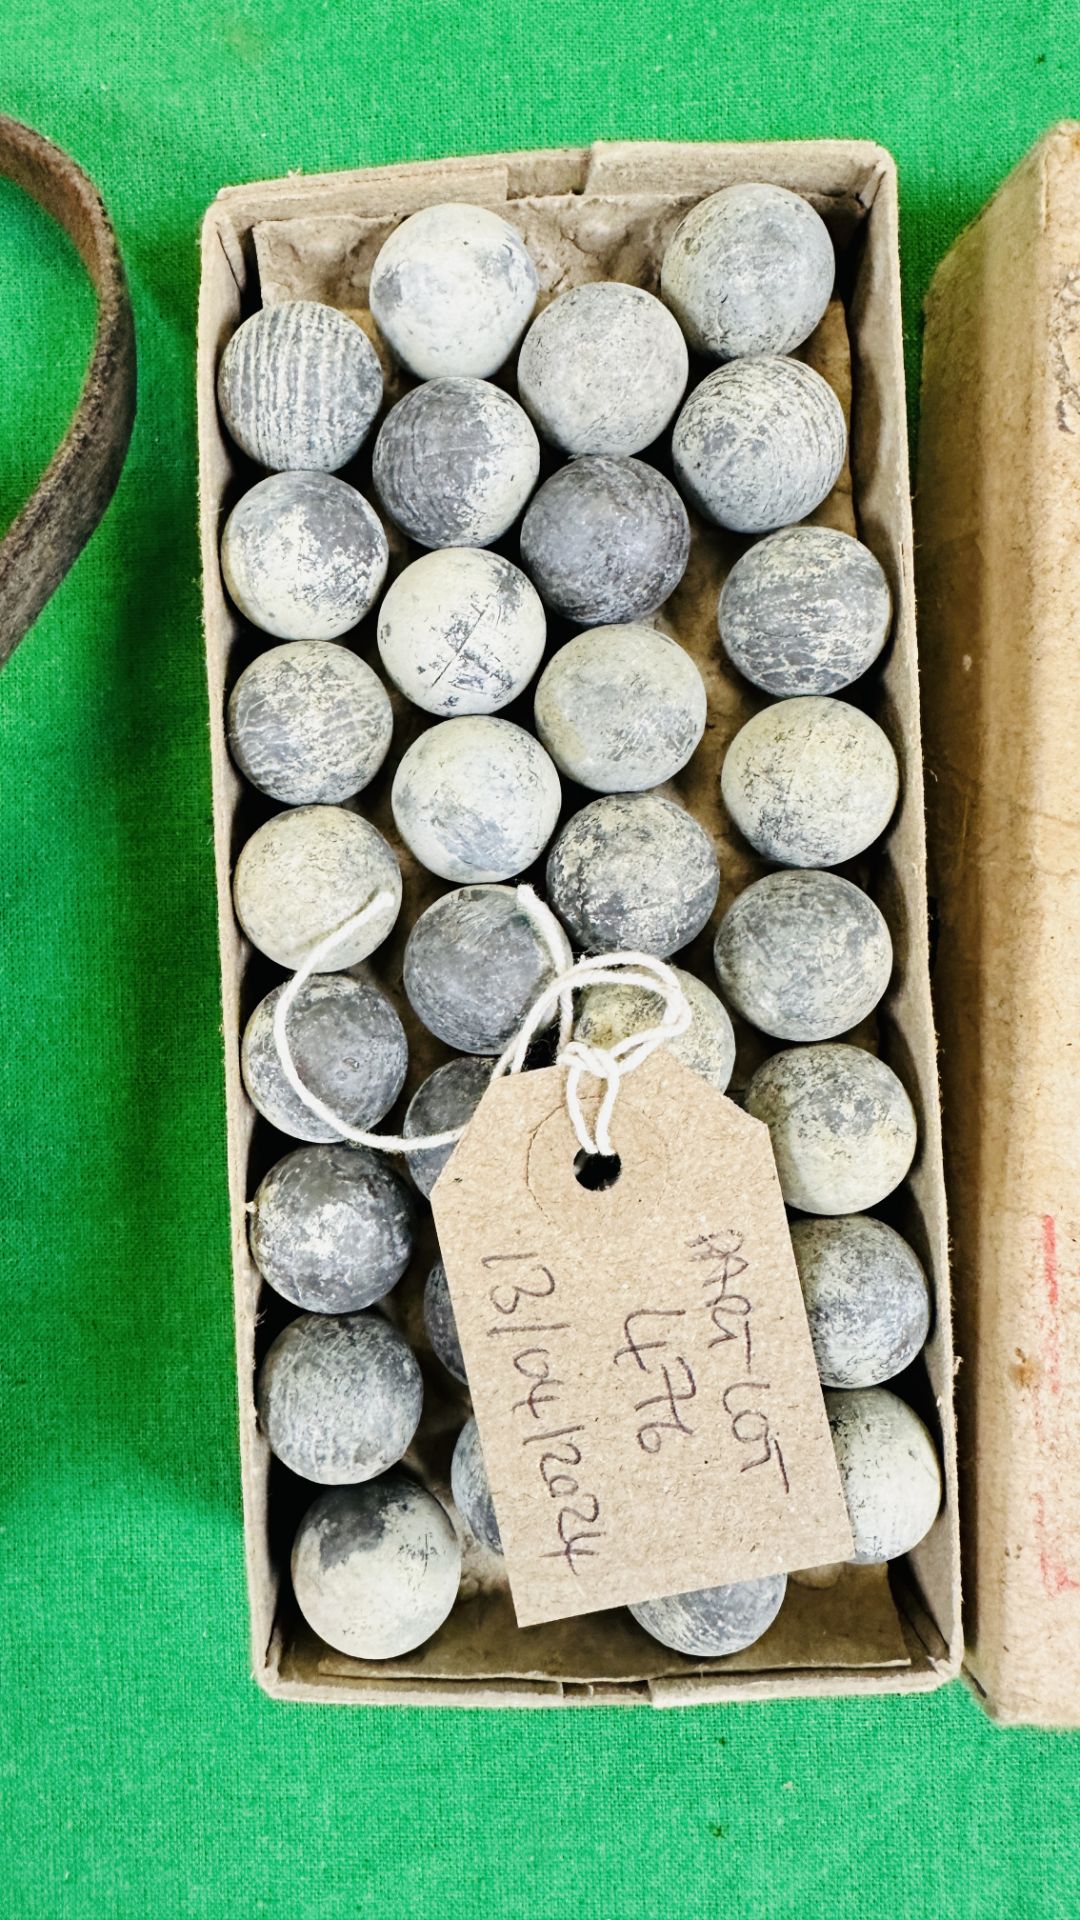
689,1692
999,575
830,169
219,311
880,463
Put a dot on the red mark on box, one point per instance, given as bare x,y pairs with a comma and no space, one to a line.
1054,1571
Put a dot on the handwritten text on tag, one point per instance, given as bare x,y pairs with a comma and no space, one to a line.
639,1359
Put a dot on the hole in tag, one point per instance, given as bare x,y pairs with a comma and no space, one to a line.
596,1171
616,1206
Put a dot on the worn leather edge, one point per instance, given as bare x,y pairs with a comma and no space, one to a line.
53,527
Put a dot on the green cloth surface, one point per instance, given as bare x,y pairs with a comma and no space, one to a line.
142,1774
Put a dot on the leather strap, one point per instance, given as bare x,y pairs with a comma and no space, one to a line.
77,485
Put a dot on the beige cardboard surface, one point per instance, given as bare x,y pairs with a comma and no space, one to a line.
999,570
638,1357
610,1646
607,209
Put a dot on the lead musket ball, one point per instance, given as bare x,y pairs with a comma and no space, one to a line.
303,556
299,385
339,1397
376,1568
843,1128
348,1047
331,1228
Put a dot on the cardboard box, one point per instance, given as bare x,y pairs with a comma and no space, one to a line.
606,211
999,585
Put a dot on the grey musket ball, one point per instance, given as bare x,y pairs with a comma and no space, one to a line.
759,444
749,270
471,1490
805,610
866,1297
715,1620
332,1228
299,386
888,1469
452,291
474,964
455,462
607,1014
304,556
476,799
309,723
448,1098
349,1049
339,1397
843,1128
605,540
303,874
461,631
620,708
803,955
441,1325
602,369
633,870
376,1568
810,782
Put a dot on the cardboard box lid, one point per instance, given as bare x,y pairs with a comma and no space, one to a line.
998,572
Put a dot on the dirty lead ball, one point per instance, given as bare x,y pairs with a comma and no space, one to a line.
348,1047
759,443
446,1100
440,1324
602,369
805,610
471,1490
888,1470
461,631
749,270
714,1621
605,540
339,1397
633,870
476,799
810,782
309,722
455,462
304,556
867,1300
608,1013
452,291
474,964
620,708
376,1568
803,955
299,386
303,874
331,1228
843,1128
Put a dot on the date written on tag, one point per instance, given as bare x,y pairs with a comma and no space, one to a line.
537,1376
639,1359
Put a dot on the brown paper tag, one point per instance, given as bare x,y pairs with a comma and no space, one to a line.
639,1358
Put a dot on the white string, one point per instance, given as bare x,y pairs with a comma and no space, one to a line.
607,1064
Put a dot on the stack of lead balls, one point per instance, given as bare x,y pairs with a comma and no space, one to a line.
472,632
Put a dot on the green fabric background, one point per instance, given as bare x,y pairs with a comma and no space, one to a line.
142,1775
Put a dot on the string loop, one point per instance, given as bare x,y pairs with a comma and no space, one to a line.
581,1059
